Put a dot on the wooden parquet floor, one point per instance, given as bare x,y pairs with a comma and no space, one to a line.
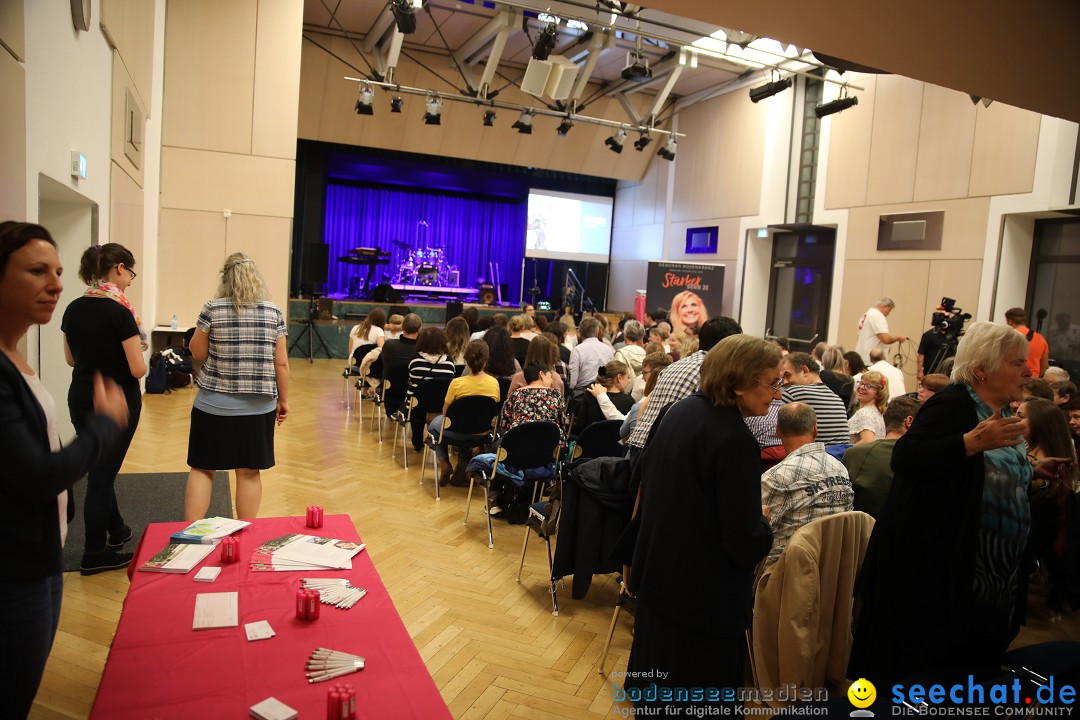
491,644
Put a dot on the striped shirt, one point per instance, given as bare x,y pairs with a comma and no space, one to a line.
424,368
242,346
832,425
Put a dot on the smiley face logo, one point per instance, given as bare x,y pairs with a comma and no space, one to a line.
862,693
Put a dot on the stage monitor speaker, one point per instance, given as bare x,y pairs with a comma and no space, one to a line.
504,292
316,263
487,294
384,292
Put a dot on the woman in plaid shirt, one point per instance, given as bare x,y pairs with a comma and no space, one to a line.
243,388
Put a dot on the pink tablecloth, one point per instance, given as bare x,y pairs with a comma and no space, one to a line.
159,667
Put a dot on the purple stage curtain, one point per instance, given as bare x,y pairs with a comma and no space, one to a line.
472,232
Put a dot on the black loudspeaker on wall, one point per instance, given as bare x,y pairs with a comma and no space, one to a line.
453,309
384,292
316,263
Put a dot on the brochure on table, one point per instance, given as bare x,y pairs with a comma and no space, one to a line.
304,552
208,530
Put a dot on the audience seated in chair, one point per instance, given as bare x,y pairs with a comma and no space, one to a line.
612,383
808,484
432,362
870,465
803,384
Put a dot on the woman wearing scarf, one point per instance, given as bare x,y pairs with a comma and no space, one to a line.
102,334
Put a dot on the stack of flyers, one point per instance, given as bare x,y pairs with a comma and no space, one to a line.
208,531
304,552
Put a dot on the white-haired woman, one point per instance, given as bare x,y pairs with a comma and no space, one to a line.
939,581
243,388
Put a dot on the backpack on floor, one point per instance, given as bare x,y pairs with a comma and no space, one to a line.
157,380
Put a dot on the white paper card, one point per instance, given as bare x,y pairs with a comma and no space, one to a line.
273,709
207,574
260,630
216,610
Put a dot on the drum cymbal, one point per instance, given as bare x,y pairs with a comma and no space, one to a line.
400,244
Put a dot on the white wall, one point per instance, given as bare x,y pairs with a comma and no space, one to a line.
152,172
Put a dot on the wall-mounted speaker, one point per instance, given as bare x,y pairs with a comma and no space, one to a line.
316,263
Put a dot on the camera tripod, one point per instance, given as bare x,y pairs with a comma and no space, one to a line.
311,331
946,351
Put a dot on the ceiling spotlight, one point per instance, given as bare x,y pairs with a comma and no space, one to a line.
668,151
405,14
615,142
395,104
643,140
489,118
564,126
835,106
769,89
524,123
545,42
364,100
433,116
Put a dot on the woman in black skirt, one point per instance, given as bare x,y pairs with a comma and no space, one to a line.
243,388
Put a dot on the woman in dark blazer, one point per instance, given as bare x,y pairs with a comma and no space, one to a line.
35,501
939,581
702,529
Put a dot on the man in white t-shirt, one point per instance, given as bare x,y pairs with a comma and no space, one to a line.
874,329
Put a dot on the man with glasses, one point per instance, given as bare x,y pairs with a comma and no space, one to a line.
803,384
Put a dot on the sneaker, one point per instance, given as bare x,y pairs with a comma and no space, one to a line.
93,563
494,510
118,540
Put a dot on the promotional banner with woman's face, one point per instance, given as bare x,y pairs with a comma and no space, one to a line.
690,292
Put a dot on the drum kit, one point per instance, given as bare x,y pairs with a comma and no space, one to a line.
425,266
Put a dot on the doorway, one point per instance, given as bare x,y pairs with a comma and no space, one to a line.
800,285
72,220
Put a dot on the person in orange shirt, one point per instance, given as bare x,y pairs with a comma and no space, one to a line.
1038,358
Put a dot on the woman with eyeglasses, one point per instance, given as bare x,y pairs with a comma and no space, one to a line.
939,582
868,422
103,334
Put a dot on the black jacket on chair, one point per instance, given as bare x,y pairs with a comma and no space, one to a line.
596,509
34,475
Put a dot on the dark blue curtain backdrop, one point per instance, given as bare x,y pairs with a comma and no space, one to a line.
472,231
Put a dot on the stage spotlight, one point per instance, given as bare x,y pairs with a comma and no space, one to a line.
395,104
524,123
489,118
835,106
642,142
433,116
769,89
668,151
615,142
564,126
404,14
545,42
364,100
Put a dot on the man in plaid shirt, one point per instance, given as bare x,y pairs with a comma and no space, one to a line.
807,485
680,379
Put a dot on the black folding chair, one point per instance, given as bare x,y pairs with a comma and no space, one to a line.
428,397
352,370
600,439
528,446
473,419
391,393
504,389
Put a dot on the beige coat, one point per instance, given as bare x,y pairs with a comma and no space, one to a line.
802,612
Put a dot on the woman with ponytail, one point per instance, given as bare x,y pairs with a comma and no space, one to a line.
243,388
103,334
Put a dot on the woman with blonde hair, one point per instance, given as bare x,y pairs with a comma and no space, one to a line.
687,310
371,331
834,373
457,339
243,388
868,422
102,334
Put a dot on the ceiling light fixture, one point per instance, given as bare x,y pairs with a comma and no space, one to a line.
838,105
643,140
524,123
364,100
564,126
433,116
615,142
545,42
769,89
668,151
395,104
489,118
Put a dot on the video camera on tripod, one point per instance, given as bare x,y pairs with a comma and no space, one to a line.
949,320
